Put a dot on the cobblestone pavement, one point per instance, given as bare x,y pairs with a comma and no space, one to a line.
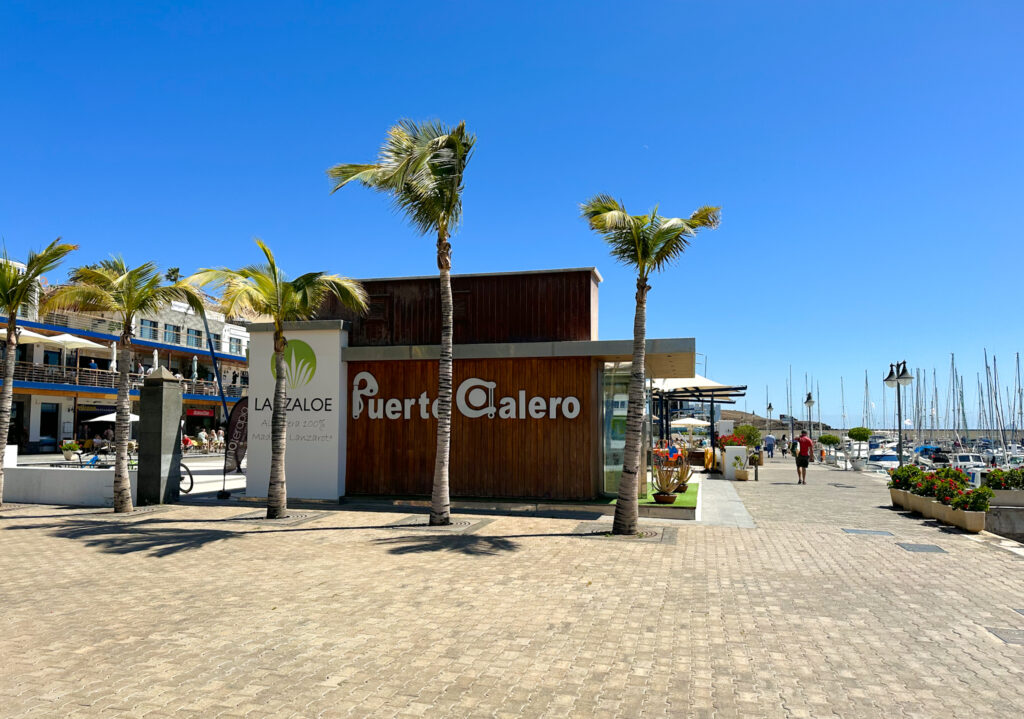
184,614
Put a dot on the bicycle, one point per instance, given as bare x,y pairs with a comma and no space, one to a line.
185,482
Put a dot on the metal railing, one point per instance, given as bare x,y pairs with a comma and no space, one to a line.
75,321
85,377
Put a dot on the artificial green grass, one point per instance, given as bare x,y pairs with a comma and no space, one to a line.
682,500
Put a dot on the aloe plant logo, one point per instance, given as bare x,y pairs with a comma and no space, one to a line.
299,364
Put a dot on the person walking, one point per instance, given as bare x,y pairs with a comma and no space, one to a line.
784,446
769,446
804,456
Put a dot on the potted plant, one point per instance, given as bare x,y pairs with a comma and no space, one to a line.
859,434
1007,487
665,483
900,482
733,446
739,468
830,440
69,448
969,507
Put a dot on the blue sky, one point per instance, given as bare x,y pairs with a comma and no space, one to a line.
867,155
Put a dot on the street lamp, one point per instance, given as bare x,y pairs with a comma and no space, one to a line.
770,417
899,376
808,403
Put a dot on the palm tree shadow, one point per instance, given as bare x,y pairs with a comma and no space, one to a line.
468,544
126,538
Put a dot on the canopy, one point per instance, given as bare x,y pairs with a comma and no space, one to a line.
689,422
684,383
28,336
70,342
112,417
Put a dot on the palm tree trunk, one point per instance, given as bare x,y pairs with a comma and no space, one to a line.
626,507
277,494
122,429
6,396
440,503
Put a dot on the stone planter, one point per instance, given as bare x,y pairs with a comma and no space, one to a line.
1008,498
68,455
664,498
742,474
894,495
917,503
969,521
858,464
942,513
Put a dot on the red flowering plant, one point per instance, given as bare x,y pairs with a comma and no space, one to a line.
924,486
1003,479
973,500
905,477
946,490
731,440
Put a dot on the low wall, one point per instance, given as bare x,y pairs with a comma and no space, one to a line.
1006,522
75,487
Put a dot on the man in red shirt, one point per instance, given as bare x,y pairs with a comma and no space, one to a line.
804,453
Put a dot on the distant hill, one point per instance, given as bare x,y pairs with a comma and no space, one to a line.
762,422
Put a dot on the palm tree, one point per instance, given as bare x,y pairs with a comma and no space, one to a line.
128,293
421,167
21,288
647,243
264,290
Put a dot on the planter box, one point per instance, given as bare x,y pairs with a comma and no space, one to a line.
904,498
942,513
894,495
931,508
742,475
970,521
730,453
1008,498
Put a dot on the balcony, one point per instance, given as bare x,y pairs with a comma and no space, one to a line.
74,321
84,377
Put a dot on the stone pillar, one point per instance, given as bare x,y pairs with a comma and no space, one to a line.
159,438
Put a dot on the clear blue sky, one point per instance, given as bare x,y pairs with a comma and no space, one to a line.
868,156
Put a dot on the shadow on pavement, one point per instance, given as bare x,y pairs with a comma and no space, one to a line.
470,544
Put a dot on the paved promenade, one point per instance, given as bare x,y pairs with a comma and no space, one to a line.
192,613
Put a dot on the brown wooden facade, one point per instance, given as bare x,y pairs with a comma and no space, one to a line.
544,306
490,457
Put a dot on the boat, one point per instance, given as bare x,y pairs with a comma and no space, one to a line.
882,460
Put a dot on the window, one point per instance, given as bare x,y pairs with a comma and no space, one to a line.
236,346
172,334
215,339
149,330
195,338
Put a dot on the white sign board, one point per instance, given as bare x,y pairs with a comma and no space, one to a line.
317,411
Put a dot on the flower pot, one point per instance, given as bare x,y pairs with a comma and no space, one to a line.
969,521
68,454
894,495
664,498
933,508
742,474
942,513
905,499
917,503
858,464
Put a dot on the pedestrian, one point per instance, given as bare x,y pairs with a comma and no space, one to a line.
804,456
769,446
234,377
784,446
139,369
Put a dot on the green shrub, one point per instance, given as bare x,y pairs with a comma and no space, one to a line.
750,434
925,486
973,500
830,440
905,477
70,446
859,434
1002,479
957,475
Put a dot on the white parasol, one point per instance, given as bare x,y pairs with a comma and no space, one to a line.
112,417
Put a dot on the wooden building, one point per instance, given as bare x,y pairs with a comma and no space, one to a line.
538,399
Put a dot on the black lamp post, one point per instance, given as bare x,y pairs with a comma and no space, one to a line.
899,377
770,417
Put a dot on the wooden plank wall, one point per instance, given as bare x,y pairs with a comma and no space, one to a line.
535,307
521,458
